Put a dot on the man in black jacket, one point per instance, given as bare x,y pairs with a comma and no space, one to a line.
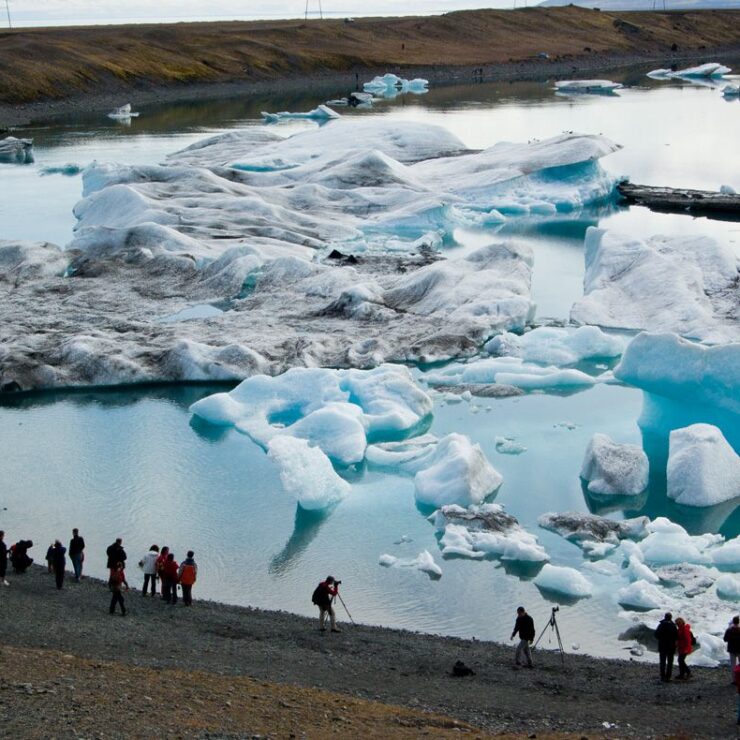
524,625
77,553
667,635
116,554
732,638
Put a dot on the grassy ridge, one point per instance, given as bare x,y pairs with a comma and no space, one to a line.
58,63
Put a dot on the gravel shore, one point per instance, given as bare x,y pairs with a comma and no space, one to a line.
389,666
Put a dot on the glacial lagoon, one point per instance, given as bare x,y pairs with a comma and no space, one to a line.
134,462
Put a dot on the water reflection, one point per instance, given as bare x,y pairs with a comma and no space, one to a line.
305,529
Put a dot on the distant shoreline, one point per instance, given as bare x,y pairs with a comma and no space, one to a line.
41,77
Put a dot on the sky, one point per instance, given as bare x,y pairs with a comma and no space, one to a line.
62,12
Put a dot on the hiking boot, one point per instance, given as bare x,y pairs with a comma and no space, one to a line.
335,629
322,629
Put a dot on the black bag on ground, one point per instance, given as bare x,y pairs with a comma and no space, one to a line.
460,669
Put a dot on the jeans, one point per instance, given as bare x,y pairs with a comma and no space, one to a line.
77,565
169,590
147,578
59,576
117,598
522,649
683,669
323,611
187,595
666,664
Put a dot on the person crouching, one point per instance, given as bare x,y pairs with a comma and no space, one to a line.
323,596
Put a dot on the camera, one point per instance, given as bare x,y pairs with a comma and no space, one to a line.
337,583
555,609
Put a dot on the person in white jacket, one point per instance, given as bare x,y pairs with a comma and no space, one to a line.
149,565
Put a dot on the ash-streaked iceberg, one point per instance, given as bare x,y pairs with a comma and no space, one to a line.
611,468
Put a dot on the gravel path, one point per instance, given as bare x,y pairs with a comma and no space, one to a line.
405,668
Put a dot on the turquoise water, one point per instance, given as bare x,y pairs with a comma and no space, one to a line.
133,463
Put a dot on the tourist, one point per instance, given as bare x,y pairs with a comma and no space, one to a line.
187,575
684,646
116,582
3,559
59,562
19,555
666,634
524,625
77,553
323,596
159,567
116,554
149,565
169,579
50,558
732,638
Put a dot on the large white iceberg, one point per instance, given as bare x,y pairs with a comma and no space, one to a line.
689,285
611,468
668,542
703,470
307,474
564,581
667,365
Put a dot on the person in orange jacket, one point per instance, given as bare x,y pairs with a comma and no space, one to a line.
684,647
169,583
187,575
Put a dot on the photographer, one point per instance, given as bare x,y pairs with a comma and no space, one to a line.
323,596
524,625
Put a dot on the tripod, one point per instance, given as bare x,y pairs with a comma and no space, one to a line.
553,625
345,609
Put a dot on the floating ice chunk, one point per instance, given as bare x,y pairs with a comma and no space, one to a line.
682,284
485,530
660,74
457,473
123,113
703,470
614,469
69,170
728,554
564,581
557,346
16,151
597,549
667,365
423,562
641,595
320,113
638,571
710,69
509,446
587,86
731,91
389,85
580,528
668,542
307,473
409,456
727,189
728,587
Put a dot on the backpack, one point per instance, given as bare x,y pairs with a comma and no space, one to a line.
693,639
188,575
318,596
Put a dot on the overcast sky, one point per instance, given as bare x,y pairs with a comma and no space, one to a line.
33,12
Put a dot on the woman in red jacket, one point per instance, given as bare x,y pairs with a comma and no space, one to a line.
684,647
169,582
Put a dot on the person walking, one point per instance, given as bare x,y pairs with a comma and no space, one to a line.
59,562
149,565
3,559
524,625
684,645
116,582
732,638
77,553
187,576
159,567
323,596
666,634
116,554
169,579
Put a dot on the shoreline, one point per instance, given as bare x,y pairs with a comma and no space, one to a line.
390,666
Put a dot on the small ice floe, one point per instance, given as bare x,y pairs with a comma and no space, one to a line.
354,100
614,469
390,85
728,587
16,151
403,539
563,581
485,531
320,113
68,170
123,113
731,91
703,71
593,87
668,542
703,470
641,595
509,446
423,562
569,425
727,190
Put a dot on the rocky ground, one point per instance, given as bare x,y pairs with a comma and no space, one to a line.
70,669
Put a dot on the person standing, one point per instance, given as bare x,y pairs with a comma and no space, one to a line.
736,679
116,582
524,625
59,562
187,576
323,596
50,558
77,553
732,638
159,567
684,646
116,554
149,565
3,559
169,579
666,634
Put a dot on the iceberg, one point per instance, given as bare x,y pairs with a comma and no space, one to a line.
710,69
580,528
703,470
727,555
598,87
614,469
16,151
68,170
123,113
563,581
687,285
485,530
731,91
638,571
307,474
320,113
642,595
668,542
667,365
390,85
423,562
728,587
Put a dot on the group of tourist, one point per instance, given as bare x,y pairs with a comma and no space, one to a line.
157,565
